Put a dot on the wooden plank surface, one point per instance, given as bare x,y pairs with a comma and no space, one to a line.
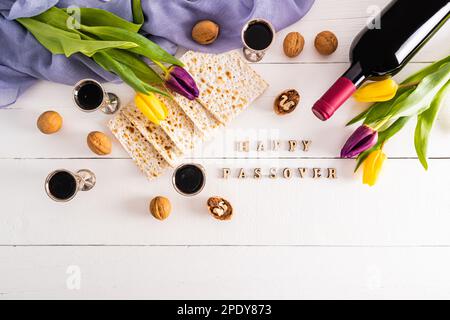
224,273
297,238
408,207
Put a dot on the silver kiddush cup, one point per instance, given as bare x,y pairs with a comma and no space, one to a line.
189,179
257,36
89,96
63,185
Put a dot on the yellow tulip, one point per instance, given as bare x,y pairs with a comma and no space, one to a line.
372,167
151,107
155,104
379,91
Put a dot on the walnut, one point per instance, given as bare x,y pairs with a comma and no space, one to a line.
286,102
160,208
326,43
99,143
205,32
293,44
220,208
49,122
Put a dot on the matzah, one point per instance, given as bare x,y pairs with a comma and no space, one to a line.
151,163
203,121
178,126
153,134
227,84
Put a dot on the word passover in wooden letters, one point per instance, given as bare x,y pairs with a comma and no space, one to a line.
273,173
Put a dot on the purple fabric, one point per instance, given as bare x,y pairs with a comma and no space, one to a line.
169,22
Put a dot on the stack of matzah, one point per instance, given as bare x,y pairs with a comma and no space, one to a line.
227,86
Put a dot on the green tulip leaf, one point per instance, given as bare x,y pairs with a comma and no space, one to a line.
145,47
420,99
58,41
416,77
113,47
138,14
99,17
432,68
382,109
58,18
379,110
125,73
425,123
141,69
383,137
360,117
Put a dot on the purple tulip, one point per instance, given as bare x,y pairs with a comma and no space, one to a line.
361,140
180,81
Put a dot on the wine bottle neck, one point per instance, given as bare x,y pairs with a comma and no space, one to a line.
339,92
355,74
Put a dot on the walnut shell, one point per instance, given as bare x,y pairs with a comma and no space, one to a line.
220,208
286,102
205,32
49,122
326,43
99,143
293,44
160,207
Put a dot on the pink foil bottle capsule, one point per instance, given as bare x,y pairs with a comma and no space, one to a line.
339,92
335,97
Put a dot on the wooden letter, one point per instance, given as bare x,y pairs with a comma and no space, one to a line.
226,173
332,173
275,145
317,173
287,173
306,145
244,146
257,173
302,172
292,145
273,173
241,174
260,147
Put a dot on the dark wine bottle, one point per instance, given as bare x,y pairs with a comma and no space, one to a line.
384,48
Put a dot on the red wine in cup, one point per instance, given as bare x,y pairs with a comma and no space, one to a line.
62,185
258,36
189,179
379,52
90,96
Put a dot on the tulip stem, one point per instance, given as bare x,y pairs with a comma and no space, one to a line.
409,85
161,66
381,123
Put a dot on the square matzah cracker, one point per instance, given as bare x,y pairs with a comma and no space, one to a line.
151,163
202,119
226,82
154,134
178,126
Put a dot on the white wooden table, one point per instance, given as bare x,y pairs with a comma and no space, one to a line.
289,238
